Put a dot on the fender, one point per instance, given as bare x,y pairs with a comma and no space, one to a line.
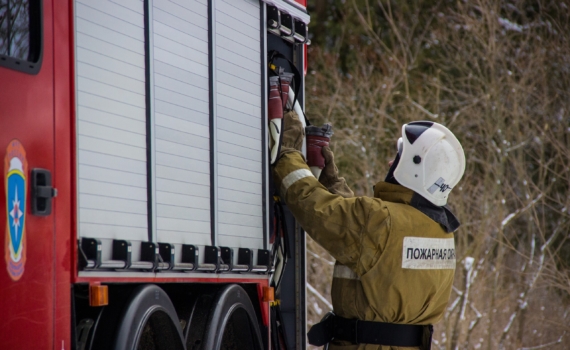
233,311
149,303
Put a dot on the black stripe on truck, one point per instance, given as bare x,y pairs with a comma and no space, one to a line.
211,73
148,102
264,151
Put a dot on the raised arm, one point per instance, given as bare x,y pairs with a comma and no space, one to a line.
353,230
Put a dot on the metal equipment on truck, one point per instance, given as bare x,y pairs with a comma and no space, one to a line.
137,202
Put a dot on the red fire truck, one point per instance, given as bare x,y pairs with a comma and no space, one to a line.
137,206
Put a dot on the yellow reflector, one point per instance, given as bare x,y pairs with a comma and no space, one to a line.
98,295
268,294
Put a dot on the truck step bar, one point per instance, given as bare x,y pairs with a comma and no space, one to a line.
160,257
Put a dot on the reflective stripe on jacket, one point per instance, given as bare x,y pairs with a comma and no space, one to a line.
394,264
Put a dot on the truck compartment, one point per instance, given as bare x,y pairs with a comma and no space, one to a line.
170,143
172,160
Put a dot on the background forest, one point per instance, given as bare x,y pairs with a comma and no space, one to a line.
497,73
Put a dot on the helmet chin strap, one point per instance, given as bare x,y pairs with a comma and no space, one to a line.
390,176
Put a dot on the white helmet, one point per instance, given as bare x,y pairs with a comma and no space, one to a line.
431,160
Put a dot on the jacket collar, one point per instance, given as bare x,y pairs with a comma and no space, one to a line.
400,194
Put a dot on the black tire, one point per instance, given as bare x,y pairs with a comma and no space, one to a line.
224,322
149,322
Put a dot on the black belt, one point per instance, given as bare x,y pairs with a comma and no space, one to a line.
334,327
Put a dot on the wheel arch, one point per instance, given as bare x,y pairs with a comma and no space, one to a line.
148,302
213,315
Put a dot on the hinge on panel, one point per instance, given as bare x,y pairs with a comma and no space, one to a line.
245,257
212,257
264,259
91,249
227,255
190,256
166,252
149,253
161,256
122,251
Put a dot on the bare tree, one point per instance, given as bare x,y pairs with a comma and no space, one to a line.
497,73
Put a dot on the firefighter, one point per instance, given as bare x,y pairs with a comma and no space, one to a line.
395,253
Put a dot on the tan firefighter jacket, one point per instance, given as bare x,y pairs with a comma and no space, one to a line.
394,263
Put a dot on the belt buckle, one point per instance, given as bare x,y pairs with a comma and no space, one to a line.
322,332
327,316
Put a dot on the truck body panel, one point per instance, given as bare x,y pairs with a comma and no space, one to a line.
150,117
27,139
170,130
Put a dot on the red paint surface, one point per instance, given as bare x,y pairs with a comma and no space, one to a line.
302,2
64,179
27,114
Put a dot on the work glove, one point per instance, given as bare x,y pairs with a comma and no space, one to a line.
317,138
293,134
329,176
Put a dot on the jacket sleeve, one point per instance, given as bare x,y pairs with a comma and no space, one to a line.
353,230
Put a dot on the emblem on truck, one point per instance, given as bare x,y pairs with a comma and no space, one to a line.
15,170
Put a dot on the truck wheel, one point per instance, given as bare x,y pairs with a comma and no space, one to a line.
224,322
149,322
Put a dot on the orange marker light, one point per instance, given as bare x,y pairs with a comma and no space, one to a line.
268,294
98,295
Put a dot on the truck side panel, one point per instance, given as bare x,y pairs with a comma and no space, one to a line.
111,120
170,129
181,121
240,166
27,294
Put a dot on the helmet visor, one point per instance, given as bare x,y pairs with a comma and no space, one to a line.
413,130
